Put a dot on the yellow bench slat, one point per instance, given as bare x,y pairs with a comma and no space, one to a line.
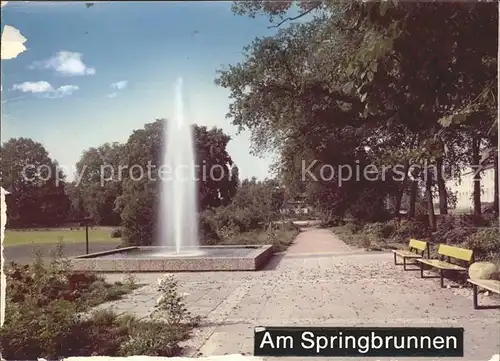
441,264
455,252
490,285
406,254
420,245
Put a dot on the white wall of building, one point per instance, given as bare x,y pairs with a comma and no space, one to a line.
465,186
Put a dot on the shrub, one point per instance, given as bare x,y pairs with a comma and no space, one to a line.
369,205
353,227
171,306
446,223
406,229
452,236
491,219
290,226
485,243
208,228
379,230
281,239
31,331
169,324
116,233
330,221
474,220
223,223
48,325
41,285
153,338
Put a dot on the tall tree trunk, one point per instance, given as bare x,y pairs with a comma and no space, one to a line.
443,196
413,193
476,160
413,199
430,203
401,191
496,185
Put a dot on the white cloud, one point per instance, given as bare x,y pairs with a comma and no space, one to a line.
65,63
63,91
12,43
33,87
120,85
45,89
3,3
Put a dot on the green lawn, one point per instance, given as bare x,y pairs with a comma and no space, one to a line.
48,236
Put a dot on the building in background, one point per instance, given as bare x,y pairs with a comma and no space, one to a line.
297,205
464,188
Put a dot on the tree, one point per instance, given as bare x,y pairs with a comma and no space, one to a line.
35,182
358,74
264,198
99,181
76,207
138,203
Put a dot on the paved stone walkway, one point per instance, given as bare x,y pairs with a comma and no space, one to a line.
317,241
344,288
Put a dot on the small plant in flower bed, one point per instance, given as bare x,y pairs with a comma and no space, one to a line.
56,281
47,316
169,324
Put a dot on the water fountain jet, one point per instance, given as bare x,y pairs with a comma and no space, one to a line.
178,223
177,244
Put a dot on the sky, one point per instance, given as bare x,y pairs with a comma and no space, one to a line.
93,75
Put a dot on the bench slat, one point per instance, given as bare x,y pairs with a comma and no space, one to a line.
420,245
441,264
455,252
490,285
406,254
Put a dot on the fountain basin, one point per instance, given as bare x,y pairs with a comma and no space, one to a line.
164,259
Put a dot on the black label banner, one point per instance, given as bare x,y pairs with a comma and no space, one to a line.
361,341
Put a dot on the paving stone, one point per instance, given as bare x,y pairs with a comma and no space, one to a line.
340,286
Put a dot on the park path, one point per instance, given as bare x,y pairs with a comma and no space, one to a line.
341,288
317,241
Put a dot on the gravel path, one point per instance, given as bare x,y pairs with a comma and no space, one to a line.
342,288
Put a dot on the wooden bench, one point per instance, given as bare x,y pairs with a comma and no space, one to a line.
450,253
416,249
490,285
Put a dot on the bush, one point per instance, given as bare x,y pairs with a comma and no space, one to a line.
169,324
45,324
452,236
153,338
330,221
485,243
222,223
353,227
474,220
281,239
208,228
290,226
369,205
31,331
406,229
116,233
379,230
446,223
491,219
